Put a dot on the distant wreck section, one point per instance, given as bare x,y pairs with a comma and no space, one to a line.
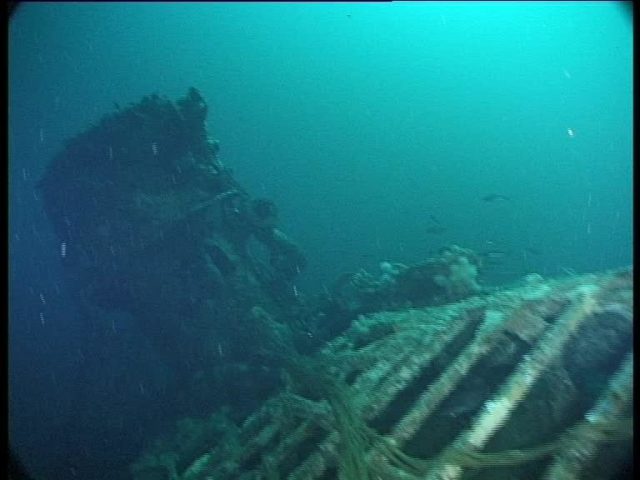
152,224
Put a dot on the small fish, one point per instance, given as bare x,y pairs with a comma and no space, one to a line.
493,254
569,271
494,196
435,230
434,219
493,257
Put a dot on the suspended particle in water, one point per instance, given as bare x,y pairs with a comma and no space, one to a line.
570,132
63,249
566,73
41,135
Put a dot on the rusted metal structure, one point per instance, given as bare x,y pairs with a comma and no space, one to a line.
529,382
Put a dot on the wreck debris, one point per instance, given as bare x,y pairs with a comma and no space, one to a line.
387,378
451,275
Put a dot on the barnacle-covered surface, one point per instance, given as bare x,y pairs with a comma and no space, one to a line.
151,223
529,382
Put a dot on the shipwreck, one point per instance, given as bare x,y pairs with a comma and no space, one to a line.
414,372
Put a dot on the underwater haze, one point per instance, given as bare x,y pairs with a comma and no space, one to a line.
383,132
